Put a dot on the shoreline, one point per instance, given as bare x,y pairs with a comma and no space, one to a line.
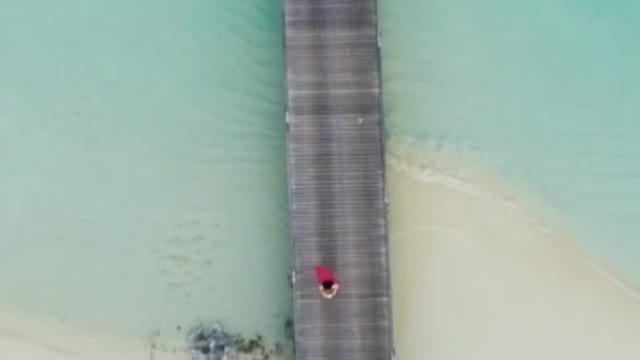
481,270
27,337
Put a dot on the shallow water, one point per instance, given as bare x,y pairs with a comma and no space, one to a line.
143,175
544,91
142,148
513,167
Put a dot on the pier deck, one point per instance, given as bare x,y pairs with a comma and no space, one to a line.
336,179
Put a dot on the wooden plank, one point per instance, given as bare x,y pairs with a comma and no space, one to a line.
336,179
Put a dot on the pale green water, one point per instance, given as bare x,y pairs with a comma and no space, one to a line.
547,91
142,143
143,179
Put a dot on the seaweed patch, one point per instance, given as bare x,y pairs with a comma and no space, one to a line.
210,341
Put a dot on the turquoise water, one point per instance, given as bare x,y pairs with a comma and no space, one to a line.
143,179
142,143
546,91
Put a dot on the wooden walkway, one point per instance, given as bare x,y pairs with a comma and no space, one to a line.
336,179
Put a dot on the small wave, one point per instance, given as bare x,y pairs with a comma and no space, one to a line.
434,165
435,168
400,144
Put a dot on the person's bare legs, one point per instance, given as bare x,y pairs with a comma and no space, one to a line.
328,289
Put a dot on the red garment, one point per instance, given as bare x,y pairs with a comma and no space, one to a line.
324,274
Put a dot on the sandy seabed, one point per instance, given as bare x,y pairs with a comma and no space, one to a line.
475,277
24,337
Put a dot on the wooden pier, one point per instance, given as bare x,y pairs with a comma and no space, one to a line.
337,197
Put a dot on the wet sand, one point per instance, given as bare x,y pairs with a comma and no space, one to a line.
476,276
24,336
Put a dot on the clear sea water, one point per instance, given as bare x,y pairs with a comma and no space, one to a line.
546,91
142,172
142,179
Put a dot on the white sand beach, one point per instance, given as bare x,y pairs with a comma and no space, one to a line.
476,277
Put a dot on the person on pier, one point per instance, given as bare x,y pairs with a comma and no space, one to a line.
327,282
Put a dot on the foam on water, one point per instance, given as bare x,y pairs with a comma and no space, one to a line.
142,152
429,163
545,90
475,278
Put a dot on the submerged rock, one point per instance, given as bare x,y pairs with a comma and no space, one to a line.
209,342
